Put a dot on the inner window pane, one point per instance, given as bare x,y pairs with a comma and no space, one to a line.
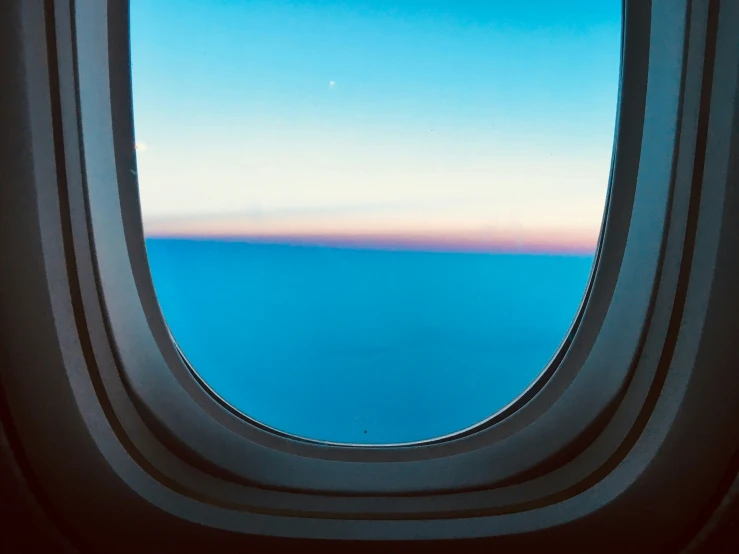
372,221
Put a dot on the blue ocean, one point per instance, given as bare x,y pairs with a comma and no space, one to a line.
360,345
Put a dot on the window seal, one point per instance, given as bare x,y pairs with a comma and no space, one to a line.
151,363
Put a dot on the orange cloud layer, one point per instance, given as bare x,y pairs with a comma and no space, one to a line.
387,234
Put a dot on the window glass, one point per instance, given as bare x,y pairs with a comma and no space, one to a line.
372,221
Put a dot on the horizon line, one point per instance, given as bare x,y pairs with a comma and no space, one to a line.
465,243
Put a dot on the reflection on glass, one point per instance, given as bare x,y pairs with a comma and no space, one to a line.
372,221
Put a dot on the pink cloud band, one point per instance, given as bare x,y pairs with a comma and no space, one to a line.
442,239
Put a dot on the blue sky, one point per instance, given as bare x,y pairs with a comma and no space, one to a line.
327,117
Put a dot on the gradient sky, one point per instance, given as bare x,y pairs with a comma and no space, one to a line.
480,120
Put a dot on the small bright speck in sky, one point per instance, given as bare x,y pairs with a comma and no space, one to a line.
521,98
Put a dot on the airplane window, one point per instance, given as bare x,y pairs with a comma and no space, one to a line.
372,222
